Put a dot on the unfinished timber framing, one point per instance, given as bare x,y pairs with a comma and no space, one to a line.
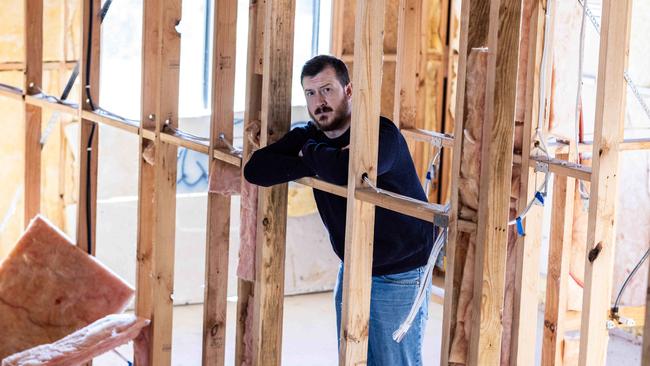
474,21
527,249
33,118
268,100
272,201
360,216
608,132
218,217
88,130
157,180
494,186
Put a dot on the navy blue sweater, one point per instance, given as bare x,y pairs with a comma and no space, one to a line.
401,242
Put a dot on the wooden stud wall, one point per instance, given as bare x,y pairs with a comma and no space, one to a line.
360,216
252,114
558,270
272,201
496,170
528,247
474,20
33,80
157,182
218,221
88,130
608,131
268,100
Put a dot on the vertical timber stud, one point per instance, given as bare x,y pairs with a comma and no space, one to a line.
253,104
88,130
524,326
33,80
496,172
336,41
558,269
272,205
157,190
218,222
360,216
473,34
608,131
409,75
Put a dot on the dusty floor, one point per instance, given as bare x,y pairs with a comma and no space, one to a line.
310,336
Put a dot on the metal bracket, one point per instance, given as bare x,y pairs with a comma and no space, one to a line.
437,142
541,167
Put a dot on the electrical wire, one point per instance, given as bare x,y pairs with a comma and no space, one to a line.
439,243
89,236
627,280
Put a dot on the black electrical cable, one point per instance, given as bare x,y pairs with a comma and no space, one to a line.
629,277
91,15
75,72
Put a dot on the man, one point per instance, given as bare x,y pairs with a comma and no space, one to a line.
402,244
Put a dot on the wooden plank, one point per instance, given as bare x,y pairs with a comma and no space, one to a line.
225,155
33,38
387,57
422,210
562,167
253,105
157,189
360,216
608,132
321,185
451,87
338,17
496,172
88,130
558,270
634,144
11,92
410,78
272,205
218,216
408,108
527,252
45,103
125,126
47,65
474,23
432,137
181,141
435,38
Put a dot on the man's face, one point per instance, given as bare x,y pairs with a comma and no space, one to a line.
328,102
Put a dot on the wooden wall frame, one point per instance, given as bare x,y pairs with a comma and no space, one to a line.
268,100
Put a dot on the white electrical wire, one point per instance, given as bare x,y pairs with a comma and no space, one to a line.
399,334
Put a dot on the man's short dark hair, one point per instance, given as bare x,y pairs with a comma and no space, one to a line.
318,63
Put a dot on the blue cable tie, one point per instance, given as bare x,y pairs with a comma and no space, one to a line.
539,197
520,227
428,175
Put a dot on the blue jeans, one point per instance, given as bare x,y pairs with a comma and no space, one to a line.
391,298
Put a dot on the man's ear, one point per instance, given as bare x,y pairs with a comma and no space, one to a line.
348,90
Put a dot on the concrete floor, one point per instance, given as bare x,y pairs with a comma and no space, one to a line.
309,336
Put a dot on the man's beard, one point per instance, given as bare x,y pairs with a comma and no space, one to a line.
339,119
